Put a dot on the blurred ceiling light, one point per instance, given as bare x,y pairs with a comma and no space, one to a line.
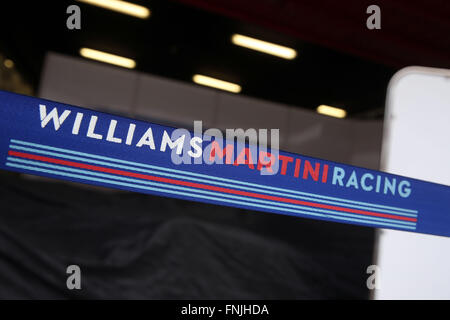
331,111
264,46
8,63
122,7
216,83
107,57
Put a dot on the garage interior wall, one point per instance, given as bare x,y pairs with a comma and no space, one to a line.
138,95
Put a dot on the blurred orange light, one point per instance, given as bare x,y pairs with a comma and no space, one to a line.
331,111
121,6
108,58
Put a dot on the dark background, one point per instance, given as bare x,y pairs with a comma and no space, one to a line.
138,246
135,246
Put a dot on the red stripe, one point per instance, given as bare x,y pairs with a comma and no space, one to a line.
204,186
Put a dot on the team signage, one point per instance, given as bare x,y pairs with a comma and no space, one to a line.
56,140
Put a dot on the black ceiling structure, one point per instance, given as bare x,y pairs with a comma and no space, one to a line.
179,40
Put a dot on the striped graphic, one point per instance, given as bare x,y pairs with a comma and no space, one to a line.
61,162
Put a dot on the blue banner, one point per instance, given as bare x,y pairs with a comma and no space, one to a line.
56,140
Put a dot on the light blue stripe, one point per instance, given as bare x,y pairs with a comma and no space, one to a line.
117,177
387,224
224,179
77,176
124,167
210,177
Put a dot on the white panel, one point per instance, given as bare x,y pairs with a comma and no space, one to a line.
175,101
86,83
416,144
